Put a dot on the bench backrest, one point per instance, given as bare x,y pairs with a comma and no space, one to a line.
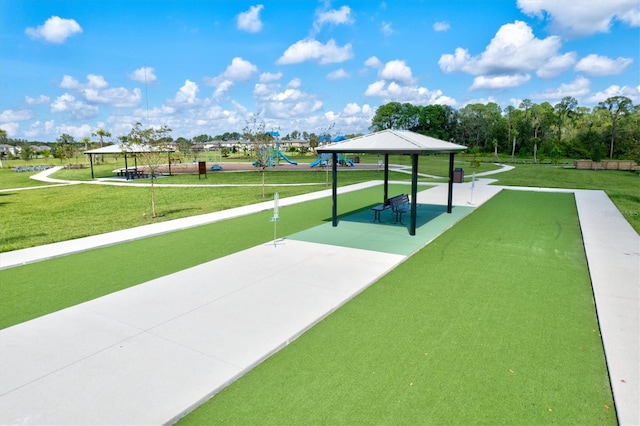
398,200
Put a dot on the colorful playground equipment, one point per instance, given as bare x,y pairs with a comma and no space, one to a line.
325,159
274,158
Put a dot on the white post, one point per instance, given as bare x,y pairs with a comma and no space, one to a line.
276,217
473,184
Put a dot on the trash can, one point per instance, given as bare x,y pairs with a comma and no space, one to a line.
458,175
356,159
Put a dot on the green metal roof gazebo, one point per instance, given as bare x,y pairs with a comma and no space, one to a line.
399,142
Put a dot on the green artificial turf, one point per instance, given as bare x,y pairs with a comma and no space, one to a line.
40,288
623,187
492,323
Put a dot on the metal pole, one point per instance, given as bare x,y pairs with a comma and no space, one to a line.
450,199
91,161
414,193
334,189
386,178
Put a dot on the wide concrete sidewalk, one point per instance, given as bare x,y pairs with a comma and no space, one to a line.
150,353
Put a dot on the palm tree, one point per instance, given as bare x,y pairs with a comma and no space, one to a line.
101,133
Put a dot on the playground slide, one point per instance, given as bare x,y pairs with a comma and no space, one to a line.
350,163
287,159
315,163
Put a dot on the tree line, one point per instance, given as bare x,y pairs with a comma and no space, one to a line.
611,129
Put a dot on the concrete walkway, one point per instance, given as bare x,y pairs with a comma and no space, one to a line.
150,353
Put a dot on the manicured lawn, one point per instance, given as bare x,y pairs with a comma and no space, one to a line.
40,288
61,213
492,323
10,179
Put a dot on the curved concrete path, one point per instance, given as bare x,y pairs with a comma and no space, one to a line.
132,357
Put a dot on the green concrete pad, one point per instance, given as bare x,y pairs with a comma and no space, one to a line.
357,230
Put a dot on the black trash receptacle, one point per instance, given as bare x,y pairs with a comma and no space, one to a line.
458,175
356,159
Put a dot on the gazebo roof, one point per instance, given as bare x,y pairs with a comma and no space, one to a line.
393,142
131,149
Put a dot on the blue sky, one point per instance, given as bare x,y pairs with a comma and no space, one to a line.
206,66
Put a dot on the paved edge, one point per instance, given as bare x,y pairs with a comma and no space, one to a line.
612,248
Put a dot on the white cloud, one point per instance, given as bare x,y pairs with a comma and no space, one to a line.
77,132
386,29
556,65
222,88
577,88
397,70
239,70
267,77
10,115
75,108
441,26
40,100
354,117
499,81
394,92
373,62
514,49
352,109
583,17
296,83
69,82
310,49
11,128
96,81
602,65
188,94
334,17
143,75
483,101
338,74
55,30
289,103
95,90
250,20
632,93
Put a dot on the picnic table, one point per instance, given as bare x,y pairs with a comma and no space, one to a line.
131,173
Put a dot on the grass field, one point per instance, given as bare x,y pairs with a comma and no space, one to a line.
489,324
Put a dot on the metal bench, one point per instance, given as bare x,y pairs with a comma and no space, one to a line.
400,204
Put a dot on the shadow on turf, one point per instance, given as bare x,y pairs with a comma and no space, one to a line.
425,214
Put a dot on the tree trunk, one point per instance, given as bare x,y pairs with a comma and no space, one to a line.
153,198
613,137
535,151
263,183
513,148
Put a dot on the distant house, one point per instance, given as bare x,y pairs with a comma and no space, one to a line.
9,150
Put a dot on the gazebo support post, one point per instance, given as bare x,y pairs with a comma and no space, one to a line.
386,178
414,193
334,189
126,167
450,198
91,162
